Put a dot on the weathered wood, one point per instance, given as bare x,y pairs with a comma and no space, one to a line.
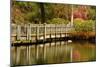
18,32
60,32
55,31
44,32
37,33
33,32
29,32
50,32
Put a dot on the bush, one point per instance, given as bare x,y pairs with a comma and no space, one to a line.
84,26
58,21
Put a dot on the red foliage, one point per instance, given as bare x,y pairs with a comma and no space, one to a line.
81,12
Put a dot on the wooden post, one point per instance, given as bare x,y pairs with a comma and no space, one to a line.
50,31
29,32
25,31
50,34
66,30
60,31
18,32
55,32
37,33
44,31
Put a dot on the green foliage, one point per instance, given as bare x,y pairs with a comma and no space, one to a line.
78,20
92,13
62,11
58,21
84,26
24,12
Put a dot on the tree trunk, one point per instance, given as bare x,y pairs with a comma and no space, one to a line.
42,12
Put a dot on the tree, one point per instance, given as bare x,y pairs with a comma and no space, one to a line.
42,12
81,12
29,12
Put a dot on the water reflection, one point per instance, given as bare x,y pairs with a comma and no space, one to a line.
57,52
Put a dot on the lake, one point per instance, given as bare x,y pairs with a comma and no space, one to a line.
56,52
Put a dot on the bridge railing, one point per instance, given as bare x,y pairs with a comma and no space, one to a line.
29,30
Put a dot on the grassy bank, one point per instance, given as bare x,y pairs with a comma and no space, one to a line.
91,36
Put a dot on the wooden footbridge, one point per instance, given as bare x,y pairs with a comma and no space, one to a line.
32,33
23,36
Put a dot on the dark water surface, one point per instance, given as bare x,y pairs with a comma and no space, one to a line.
57,52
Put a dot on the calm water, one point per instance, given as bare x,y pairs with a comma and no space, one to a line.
57,52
